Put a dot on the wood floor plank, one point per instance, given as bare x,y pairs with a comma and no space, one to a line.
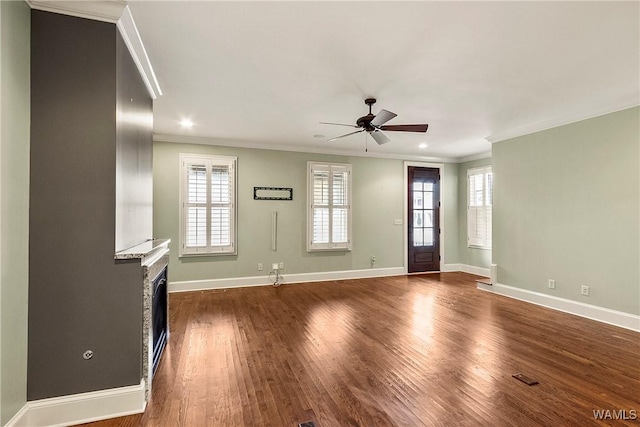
420,350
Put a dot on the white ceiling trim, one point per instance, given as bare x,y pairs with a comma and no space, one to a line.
485,155
182,139
106,11
131,36
559,121
115,12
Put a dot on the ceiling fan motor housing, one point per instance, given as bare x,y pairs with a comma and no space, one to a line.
365,121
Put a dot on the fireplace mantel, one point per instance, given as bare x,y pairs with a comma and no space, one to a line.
143,250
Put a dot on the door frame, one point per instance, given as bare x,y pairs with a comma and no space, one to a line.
440,167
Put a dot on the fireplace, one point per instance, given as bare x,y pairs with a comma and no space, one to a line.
153,256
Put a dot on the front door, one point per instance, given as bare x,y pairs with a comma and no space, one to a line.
424,219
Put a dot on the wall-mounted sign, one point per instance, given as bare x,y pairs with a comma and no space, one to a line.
272,193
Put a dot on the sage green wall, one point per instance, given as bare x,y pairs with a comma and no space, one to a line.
378,197
449,214
566,207
15,30
466,255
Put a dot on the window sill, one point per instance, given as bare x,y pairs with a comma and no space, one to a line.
486,248
329,250
207,254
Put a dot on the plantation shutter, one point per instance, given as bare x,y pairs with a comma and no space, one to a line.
196,206
330,215
321,206
480,200
340,205
208,214
220,205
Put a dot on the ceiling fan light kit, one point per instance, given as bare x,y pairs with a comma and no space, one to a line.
374,124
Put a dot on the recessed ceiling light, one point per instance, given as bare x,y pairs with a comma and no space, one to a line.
422,146
186,123
318,136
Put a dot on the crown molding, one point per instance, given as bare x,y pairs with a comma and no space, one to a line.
132,39
106,11
485,155
115,12
562,120
185,139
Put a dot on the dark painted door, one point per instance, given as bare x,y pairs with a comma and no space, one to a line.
424,219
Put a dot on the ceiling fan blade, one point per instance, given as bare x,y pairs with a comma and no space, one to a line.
338,124
383,117
346,134
380,137
405,128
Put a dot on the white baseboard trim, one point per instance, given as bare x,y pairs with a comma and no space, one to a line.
240,282
81,408
593,312
466,268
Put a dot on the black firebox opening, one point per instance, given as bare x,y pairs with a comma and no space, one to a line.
159,316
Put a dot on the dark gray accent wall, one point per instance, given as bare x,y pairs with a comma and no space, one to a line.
134,153
80,298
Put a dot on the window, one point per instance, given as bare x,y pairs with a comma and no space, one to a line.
480,199
208,210
329,196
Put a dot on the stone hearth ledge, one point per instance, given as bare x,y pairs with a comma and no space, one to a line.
142,250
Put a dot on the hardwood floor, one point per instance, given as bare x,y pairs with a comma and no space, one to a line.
426,350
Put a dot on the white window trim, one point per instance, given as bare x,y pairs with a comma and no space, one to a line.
320,247
209,160
475,242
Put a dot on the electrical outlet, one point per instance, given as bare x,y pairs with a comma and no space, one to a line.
274,266
584,290
260,268
552,284
281,265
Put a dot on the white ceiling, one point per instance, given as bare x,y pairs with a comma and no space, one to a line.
264,74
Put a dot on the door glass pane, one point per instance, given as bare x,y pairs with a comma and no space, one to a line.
417,186
428,186
418,218
428,200
428,237
417,237
417,200
428,218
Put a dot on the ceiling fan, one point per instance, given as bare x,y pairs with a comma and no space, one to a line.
374,124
